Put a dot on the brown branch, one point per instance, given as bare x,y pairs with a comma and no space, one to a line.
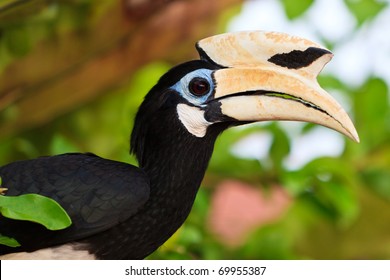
76,67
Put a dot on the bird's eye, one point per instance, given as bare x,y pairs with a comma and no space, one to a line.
199,86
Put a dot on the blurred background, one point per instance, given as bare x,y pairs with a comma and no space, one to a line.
73,73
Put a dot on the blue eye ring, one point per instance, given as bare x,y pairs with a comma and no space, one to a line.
199,86
196,86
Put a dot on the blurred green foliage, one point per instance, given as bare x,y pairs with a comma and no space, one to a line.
293,10
340,208
23,24
364,10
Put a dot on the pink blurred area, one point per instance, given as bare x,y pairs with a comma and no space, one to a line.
238,208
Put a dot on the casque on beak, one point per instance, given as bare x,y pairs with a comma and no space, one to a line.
272,76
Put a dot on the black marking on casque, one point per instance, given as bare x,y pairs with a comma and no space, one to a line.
298,59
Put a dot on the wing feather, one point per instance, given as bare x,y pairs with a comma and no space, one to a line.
96,193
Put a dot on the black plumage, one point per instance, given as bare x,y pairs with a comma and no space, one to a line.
120,211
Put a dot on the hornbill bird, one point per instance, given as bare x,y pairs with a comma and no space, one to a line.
120,211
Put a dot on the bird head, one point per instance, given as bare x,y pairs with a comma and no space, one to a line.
241,78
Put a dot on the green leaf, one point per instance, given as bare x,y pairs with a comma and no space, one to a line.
341,200
280,147
17,40
332,82
295,8
364,10
8,241
35,208
377,178
225,163
59,144
269,242
372,111
372,101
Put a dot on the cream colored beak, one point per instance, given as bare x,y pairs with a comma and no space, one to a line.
272,76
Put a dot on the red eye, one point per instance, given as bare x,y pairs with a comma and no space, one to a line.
199,86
